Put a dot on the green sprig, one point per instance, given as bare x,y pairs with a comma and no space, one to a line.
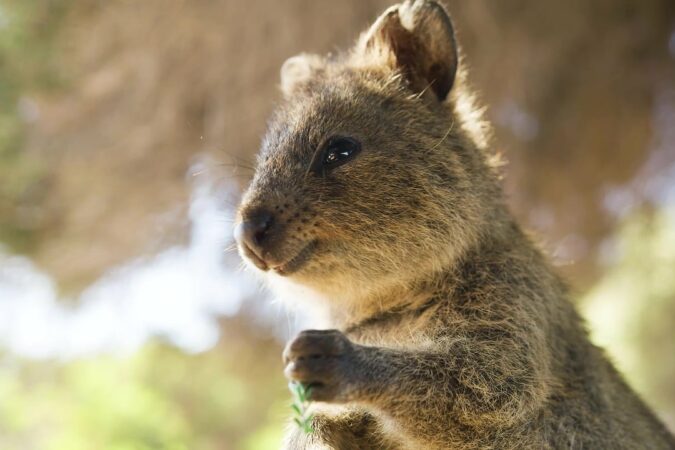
302,417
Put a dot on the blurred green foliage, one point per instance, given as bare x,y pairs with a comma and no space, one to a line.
28,66
158,398
631,309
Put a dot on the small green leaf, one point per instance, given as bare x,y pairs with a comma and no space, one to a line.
300,392
308,424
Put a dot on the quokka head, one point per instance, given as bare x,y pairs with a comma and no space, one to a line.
373,168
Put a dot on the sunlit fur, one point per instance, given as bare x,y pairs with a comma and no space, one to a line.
463,336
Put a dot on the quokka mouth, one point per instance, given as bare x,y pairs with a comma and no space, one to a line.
295,263
254,258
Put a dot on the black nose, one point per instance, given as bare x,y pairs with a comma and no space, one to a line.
254,230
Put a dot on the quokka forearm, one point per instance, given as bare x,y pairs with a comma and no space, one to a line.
464,382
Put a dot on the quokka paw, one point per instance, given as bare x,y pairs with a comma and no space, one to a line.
322,360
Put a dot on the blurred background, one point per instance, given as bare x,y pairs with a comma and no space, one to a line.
128,129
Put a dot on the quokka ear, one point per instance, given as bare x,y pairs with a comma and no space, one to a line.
298,70
417,38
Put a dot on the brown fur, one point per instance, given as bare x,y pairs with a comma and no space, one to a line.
454,331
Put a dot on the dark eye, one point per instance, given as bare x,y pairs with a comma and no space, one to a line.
337,151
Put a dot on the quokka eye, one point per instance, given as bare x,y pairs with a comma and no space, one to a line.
337,151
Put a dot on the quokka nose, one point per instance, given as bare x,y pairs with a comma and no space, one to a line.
254,229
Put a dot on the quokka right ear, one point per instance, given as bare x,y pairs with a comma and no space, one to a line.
417,38
297,71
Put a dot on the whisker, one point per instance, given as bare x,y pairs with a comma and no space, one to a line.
230,248
235,166
421,93
445,136
240,161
